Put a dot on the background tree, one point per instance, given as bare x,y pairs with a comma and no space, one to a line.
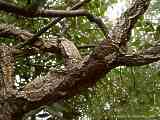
52,51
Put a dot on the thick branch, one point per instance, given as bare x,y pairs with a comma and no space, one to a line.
65,47
147,56
99,63
22,35
122,29
56,20
56,85
88,72
52,13
13,31
11,8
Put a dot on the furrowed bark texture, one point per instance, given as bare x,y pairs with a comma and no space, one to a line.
79,73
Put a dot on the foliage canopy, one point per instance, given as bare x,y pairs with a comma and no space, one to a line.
90,54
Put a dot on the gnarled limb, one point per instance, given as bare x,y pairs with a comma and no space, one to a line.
98,64
56,85
23,35
147,56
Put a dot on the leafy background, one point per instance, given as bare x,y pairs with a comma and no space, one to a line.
126,93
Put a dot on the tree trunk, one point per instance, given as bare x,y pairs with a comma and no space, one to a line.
7,111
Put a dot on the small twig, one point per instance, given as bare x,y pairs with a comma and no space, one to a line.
56,20
64,26
49,25
86,46
90,17
99,23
